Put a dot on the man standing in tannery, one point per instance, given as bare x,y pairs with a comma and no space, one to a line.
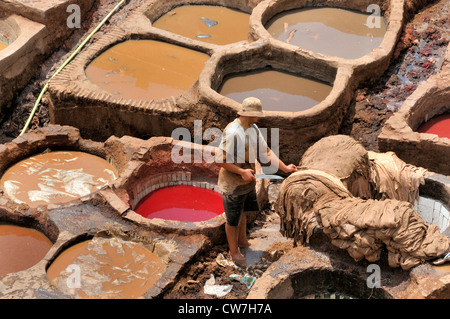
242,145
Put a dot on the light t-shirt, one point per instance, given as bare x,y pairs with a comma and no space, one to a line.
242,147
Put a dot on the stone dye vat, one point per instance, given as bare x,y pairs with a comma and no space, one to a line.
439,125
319,32
109,268
54,165
21,248
304,273
20,50
150,95
433,212
182,203
292,76
56,177
32,30
174,202
159,172
146,69
277,90
330,31
208,23
402,132
433,204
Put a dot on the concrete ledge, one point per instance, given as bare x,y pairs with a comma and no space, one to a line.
20,59
39,27
47,12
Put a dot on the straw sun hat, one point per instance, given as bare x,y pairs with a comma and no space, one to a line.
251,106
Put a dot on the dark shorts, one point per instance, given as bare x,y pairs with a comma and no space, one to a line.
234,205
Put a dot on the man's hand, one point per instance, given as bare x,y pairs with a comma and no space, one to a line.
247,175
290,168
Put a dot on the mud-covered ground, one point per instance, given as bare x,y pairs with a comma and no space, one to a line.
418,55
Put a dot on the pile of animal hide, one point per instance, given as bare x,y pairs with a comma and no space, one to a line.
322,195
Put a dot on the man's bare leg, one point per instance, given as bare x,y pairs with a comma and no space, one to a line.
232,237
242,232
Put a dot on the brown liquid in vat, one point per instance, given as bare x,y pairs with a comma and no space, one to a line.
278,91
146,69
21,248
331,31
56,177
232,25
109,268
3,45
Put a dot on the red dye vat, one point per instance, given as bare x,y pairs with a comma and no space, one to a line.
439,125
181,203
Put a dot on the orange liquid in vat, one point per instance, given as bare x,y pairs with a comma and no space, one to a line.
108,268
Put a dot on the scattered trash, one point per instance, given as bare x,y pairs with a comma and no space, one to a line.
218,290
246,279
222,261
210,23
203,36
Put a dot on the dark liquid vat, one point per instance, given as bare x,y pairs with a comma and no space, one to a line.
212,24
278,91
181,203
146,69
331,31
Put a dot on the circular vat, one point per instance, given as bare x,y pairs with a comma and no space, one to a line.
438,125
433,204
330,31
207,23
176,202
56,177
278,90
174,180
141,69
325,284
106,267
21,247
287,83
181,203
9,31
418,132
303,99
